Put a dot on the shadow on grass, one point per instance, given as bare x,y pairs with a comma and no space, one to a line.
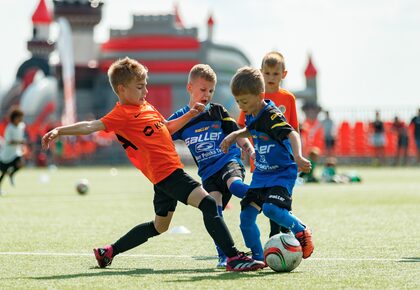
197,274
409,260
204,258
229,276
98,272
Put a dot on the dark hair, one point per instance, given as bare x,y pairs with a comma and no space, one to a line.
247,80
15,113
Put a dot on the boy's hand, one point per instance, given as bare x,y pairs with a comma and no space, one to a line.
227,142
303,164
197,109
48,137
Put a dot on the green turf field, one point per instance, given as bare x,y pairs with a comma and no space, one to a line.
366,235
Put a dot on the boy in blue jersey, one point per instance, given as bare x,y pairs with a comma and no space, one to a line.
278,156
222,174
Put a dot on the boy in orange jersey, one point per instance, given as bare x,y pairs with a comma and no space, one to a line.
146,137
274,71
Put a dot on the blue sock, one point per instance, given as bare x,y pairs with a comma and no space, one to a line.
238,188
220,210
282,217
218,249
251,232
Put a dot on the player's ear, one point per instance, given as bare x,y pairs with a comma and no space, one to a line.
284,74
120,89
189,87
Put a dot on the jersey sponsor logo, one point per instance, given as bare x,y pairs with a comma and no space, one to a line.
264,149
264,137
205,146
159,125
278,197
202,129
215,126
208,136
148,131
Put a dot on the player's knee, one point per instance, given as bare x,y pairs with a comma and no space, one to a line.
208,206
271,210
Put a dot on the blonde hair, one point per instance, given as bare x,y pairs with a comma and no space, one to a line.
272,59
203,71
247,80
123,71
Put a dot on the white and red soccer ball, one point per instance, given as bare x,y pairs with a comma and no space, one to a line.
282,252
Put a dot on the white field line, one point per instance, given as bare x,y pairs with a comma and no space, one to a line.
176,256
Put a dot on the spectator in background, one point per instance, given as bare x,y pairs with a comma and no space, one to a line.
313,158
378,138
329,134
11,159
400,128
416,123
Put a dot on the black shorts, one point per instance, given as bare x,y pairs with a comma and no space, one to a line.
277,195
218,181
175,187
5,166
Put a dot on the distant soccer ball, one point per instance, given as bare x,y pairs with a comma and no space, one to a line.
82,186
282,252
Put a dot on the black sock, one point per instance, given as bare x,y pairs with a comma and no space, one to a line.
135,237
3,173
216,226
274,228
13,171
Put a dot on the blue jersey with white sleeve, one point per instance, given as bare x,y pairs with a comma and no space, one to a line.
274,163
203,135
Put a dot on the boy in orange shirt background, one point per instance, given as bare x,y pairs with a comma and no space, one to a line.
273,68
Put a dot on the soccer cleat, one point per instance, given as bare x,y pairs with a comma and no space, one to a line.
305,240
242,263
222,262
103,256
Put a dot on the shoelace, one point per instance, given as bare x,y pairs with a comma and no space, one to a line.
302,240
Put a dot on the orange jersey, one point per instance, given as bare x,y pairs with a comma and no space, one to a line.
145,138
286,102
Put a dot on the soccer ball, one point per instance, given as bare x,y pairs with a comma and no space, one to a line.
82,186
282,252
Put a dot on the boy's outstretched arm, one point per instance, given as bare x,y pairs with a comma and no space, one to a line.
303,163
246,146
79,128
231,138
176,124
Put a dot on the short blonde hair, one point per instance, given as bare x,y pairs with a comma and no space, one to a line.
203,71
247,80
123,71
272,59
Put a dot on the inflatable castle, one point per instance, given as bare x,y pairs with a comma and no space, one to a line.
52,92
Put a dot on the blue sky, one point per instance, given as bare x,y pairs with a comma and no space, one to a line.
367,52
